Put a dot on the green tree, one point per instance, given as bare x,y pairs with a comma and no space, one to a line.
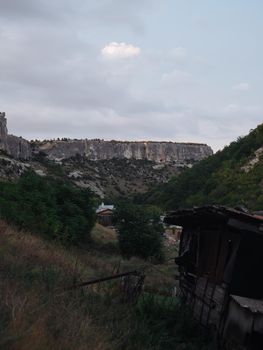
56,209
139,231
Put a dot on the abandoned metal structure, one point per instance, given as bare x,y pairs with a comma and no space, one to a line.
220,263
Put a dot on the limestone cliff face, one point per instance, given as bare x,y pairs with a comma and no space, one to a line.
3,133
159,152
16,147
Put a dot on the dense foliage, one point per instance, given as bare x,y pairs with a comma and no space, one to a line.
58,210
139,231
218,179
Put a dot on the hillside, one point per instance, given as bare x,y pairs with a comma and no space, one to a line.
37,312
111,178
230,177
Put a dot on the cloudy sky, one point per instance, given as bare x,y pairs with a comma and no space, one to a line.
179,70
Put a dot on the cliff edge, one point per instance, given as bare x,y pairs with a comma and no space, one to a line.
180,154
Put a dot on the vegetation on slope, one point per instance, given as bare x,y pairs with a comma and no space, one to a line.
114,178
219,179
117,178
55,209
37,313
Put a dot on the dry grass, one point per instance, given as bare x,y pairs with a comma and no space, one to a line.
37,313
104,235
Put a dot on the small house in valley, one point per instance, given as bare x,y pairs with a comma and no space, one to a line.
220,264
105,214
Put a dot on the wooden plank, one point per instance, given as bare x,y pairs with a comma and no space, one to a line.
206,299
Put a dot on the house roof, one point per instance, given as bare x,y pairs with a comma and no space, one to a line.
237,218
104,207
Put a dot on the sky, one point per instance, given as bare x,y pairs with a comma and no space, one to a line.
163,70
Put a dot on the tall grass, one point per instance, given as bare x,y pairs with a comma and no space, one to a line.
36,312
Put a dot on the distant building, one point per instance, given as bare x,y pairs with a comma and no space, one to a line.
104,214
220,264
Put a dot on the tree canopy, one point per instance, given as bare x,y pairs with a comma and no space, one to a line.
139,231
56,209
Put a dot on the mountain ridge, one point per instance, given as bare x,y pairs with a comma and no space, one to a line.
98,149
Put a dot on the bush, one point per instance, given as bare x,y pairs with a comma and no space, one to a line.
139,231
55,209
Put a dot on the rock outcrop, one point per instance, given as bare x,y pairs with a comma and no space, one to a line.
180,154
16,147
3,133
158,152
253,161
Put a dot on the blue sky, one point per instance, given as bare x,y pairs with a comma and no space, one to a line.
178,70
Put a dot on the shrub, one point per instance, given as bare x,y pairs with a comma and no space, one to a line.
139,232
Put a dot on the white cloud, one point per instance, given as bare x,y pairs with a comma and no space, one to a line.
241,87
120,50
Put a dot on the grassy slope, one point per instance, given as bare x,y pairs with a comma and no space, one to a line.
218,179
37,313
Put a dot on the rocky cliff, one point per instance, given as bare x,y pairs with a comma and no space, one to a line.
180,154
3,133
17,147
158,152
